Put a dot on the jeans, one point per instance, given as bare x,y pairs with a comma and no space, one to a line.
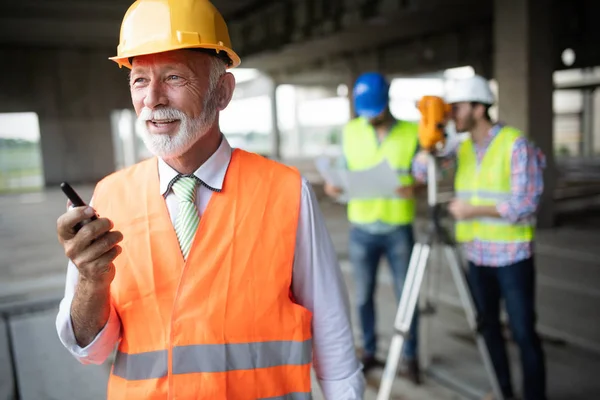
516,284
365,252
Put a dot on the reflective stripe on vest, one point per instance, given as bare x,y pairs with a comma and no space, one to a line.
488,184
212,358
362,151
220,324
291,396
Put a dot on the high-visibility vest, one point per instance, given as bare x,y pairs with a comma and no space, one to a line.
489,184
363,151
222,324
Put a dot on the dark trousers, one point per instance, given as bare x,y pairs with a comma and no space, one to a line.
516,285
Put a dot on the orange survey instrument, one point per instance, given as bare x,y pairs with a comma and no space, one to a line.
434,113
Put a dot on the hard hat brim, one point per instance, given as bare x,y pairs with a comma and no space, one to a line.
486,102
370,112
124,60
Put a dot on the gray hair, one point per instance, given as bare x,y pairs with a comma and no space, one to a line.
216,70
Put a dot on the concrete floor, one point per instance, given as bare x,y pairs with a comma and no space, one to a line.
33,266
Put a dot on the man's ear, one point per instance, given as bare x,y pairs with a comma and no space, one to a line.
479,111
225,90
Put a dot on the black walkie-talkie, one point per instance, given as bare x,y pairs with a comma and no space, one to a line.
77,202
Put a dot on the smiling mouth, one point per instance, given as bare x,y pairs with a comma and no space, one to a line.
163,122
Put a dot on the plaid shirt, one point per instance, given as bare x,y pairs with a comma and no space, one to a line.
527,185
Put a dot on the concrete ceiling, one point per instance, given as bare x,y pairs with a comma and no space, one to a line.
266,32
92,23
229,8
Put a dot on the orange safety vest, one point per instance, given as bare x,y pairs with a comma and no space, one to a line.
223,324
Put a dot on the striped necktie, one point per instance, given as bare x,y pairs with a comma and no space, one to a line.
187,219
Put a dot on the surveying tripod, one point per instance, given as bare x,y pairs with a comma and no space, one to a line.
436,234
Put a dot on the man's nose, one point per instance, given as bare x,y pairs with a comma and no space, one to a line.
155,96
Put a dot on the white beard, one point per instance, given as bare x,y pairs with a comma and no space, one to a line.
190,129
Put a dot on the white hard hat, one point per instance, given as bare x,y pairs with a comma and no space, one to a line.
475,89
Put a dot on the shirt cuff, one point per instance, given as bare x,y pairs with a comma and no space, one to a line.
419,170
351,388
507,212
100,348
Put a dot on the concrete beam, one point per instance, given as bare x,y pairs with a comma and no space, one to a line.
468,46
370,35
301,29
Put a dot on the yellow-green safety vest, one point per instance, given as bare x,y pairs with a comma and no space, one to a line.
362,151
488,184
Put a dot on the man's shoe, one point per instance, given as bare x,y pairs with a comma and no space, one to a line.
412,372
369,362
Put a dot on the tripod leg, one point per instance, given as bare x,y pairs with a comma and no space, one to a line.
429,291
470,311
404,315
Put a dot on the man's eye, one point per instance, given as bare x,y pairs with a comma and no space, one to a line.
173,77
138,80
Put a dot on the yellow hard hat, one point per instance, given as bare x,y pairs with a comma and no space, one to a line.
156,26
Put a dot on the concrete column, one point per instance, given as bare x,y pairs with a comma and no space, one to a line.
352,77
299,98
275,132
73,91
523,66
596,122
587,142
352,74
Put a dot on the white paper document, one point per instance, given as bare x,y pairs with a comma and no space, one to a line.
337,177
380,181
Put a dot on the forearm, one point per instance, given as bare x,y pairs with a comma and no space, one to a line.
100,348
90,310
518,209
486,211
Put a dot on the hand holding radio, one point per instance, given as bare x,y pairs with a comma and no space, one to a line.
88,240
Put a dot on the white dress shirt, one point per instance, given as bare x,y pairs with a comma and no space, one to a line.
317,285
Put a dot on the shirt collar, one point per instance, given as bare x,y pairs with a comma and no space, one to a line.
211,174
495,129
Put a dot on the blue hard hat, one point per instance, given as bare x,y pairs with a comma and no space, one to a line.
371,94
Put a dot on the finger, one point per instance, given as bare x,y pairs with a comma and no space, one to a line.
69,204
69,219
102,267
86,235
100,246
